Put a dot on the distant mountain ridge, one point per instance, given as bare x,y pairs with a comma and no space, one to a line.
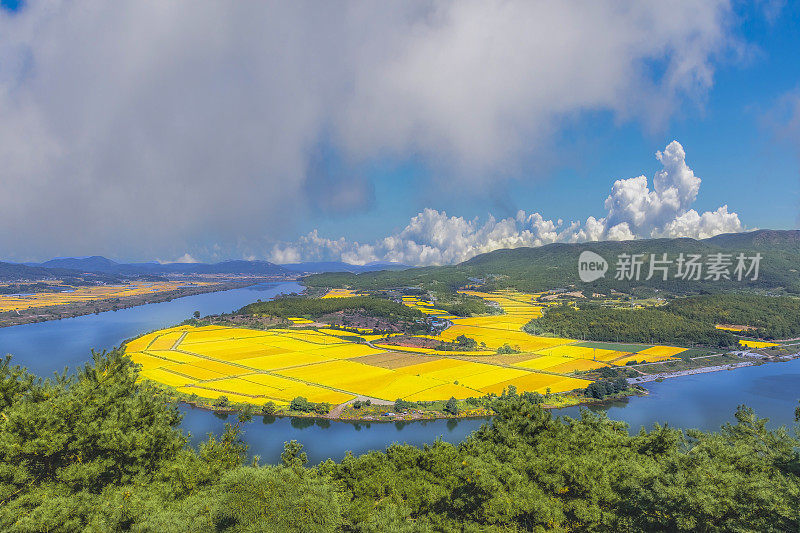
94,263
101,266
341,266
11,272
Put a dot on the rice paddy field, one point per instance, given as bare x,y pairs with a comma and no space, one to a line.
757,344
17,302
339,293
325,365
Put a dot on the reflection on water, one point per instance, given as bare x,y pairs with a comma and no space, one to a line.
324,439
606,405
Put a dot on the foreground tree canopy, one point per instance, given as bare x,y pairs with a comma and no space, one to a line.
96,451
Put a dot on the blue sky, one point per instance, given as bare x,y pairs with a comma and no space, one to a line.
308,132
728,136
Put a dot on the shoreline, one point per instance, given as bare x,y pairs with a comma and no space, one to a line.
57,312
649,378
417,416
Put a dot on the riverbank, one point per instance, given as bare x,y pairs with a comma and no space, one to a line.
71,310
707,369
384,411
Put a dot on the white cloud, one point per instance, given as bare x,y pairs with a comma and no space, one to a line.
634,211
185,258
149,128
710,223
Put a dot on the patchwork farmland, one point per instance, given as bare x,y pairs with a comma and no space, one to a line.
19,302
325,364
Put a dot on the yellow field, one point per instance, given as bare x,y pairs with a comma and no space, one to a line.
429,351
559,363
576,365
439,392
214,394
174,357
757,344
141,343
279,364
300,320
165,341
339,293
166,377
197,373
539,383
581,352
87,294
658,351
423,306
730,328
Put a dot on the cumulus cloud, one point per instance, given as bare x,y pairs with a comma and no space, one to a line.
710,223
185,258
143,129
675,188
633,211
430,238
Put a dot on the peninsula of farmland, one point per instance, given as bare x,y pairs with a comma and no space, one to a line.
308,357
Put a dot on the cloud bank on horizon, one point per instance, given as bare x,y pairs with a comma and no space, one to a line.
633,211
157,129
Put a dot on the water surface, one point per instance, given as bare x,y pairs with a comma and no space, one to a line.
327,439
47,347
706,401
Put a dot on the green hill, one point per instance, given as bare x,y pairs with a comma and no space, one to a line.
556,265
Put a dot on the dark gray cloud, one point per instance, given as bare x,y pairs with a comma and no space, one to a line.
153,129
334,187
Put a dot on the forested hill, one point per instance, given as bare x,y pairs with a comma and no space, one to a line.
556,265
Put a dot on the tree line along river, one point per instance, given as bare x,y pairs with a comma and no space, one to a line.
704,401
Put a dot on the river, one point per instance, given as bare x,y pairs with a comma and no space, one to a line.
704,401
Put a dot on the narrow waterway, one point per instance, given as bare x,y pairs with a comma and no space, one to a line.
704,401
47,347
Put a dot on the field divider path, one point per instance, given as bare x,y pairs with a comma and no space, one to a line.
508,365
252,370
178,342
471,359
